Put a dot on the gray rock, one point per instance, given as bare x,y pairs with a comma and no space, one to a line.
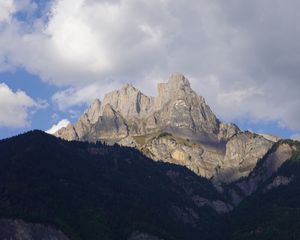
68,133
279,181
270,137
94,112
178,106
111,126
218,205
242,153
201,159
129,102
20,230
227,131
142,236
177,126
261,174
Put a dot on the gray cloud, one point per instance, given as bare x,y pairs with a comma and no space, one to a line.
243,56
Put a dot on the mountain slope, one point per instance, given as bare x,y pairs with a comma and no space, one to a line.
177,127
94,191
20,230
273,210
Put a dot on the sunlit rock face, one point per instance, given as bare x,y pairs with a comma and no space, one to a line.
242,152
265,170
176,126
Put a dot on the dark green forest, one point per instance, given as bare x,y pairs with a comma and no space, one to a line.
96,191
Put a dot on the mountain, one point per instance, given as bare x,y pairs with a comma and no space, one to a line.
54,189
176,126
95,191
97,178
272,208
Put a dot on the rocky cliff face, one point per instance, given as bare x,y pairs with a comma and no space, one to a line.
177,126
263,172
242,152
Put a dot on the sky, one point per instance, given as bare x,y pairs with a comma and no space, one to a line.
56,56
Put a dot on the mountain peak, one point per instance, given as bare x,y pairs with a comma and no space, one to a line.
129,87
96,102
176,126
176,107
93,112
177,88
179,80
128,101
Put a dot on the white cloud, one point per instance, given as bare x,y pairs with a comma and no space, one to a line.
85,95
7,8
243,57
59,125
15,107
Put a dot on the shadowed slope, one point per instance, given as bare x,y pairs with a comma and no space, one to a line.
94,191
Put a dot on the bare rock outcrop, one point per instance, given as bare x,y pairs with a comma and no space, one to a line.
142,236
227,130
220,206
279,181
200,158
270,137
20,230
178,106
111,126
130,102
242,153
267,167
177,126
68,133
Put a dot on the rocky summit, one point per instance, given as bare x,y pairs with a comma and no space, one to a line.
176,126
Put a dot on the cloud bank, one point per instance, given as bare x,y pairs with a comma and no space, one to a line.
15,107
244,57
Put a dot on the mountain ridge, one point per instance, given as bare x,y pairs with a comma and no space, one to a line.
96,191
176,126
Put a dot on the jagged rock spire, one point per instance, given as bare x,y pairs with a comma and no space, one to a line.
176,126
129,102
176,107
